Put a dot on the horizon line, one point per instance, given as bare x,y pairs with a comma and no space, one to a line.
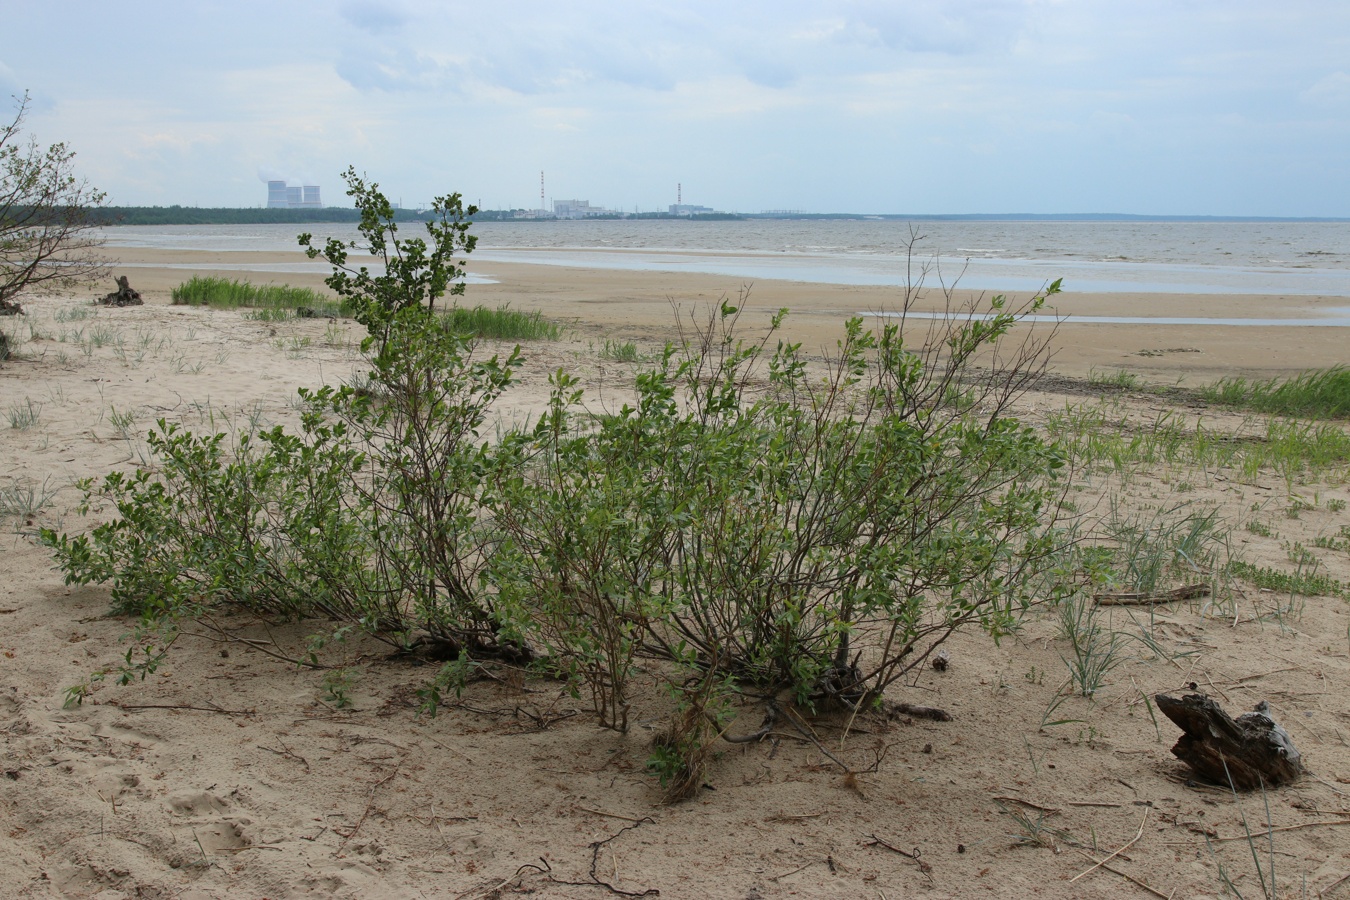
802,214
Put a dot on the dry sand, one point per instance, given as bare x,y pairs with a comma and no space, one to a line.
226,775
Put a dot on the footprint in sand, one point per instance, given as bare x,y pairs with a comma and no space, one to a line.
195,803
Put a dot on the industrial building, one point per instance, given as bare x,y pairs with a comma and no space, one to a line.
281,195
580,209
689,209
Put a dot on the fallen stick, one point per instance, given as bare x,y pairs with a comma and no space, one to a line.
923,865
1128,598
610,815
1137,835
1269,830
1127,876
923,712
210,709
1045,809
1331,887
370,801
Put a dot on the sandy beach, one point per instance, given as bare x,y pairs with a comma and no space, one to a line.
226,774
638,305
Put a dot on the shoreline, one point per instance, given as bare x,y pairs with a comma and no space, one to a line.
639,305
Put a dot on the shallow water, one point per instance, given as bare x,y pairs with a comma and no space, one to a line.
1232,258
1075,319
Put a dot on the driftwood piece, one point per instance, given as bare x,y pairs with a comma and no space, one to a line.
124,295
923,712
1246,753
1118,598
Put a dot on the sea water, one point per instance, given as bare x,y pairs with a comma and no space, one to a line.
1190,257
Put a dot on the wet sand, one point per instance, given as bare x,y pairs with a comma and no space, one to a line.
639,305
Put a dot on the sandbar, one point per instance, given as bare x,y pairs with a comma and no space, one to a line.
640,305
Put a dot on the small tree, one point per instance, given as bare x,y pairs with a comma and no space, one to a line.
415,275
48,236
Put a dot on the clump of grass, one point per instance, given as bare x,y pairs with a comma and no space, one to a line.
25,498
1309,584
1121,379
1093,652
102,335
1032,829
1149,551
72,314
1321,393
1260,528
268,314
626,351
1107,439
503,323
124,423
225,293
1340,541
24,415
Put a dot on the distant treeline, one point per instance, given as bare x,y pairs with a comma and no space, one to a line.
193,215
196,215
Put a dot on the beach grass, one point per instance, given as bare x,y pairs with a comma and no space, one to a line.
1109,438
503,323
225,293
621,351
274,302
1322,394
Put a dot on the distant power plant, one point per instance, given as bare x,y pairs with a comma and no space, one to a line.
580,209
280,195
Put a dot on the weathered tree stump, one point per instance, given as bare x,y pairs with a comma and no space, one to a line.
1246,753
124,295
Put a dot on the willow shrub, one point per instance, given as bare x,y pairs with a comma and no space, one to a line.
759,525
256,525
367,516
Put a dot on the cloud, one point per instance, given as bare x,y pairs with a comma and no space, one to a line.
744,99
374,17
9,85
375,69
956,27
1332,90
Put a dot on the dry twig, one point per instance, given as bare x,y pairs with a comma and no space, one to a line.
923,865
210,709
1125,598
370,801
1137,835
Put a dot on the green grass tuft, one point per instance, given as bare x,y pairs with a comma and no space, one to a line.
24,415
625,351
1323,394
1121,379
1307,583
503,323
224,293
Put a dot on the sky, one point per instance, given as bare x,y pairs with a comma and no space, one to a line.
1155,107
